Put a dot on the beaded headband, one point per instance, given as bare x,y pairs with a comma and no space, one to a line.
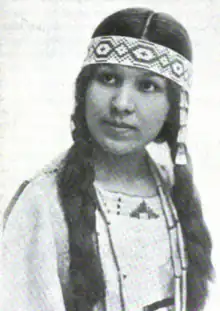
140,53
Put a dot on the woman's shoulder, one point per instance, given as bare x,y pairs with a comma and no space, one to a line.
34,195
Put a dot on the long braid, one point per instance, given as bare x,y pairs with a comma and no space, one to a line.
188,205
75,181
197,238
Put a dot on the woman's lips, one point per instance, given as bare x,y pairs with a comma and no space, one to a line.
119,127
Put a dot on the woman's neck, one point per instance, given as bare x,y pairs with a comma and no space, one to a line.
128,173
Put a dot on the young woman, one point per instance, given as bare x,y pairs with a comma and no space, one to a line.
105,228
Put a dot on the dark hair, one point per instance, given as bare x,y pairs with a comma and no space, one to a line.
76,175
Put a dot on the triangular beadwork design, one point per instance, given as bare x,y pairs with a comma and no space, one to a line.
145,210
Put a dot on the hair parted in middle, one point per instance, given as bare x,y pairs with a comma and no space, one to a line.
76,175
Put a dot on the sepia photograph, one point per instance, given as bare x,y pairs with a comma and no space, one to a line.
109,155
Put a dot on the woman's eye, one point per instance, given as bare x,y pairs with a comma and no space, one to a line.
148,86
108,78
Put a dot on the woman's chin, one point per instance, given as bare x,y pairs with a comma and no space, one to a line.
121,148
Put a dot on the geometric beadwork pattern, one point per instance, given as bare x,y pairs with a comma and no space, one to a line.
141,54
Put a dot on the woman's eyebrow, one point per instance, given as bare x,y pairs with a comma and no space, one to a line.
151,74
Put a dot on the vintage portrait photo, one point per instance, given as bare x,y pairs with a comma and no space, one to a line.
109,155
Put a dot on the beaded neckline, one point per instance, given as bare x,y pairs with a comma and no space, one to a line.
121,204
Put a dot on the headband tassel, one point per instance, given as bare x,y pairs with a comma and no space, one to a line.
181,157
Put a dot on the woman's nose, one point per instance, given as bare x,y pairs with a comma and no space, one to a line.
122,102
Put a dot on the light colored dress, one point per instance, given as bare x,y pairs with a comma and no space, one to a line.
36,252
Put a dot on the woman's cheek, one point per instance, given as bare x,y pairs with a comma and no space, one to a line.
98,98
150,128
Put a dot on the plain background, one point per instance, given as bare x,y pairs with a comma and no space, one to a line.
43,44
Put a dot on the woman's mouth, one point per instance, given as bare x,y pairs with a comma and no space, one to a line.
119,127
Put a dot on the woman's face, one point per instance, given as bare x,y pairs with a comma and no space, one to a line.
125,107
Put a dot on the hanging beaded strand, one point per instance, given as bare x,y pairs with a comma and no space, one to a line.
176,241
183,256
